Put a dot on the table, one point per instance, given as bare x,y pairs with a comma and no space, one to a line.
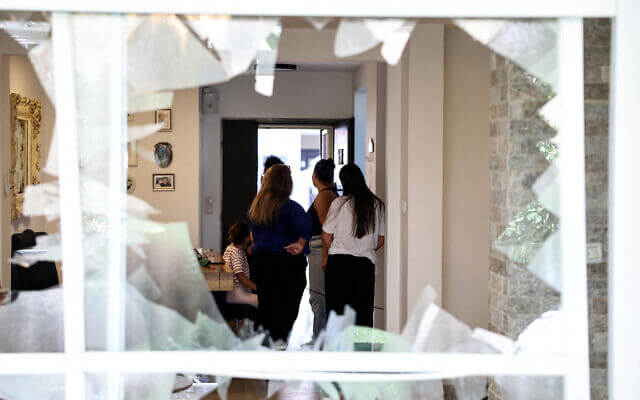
220,280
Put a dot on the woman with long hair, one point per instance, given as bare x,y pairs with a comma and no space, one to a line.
327,192
353,231
281,230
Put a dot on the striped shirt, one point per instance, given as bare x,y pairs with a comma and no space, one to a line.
236,259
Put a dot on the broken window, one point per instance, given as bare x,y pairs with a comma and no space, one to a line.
134,303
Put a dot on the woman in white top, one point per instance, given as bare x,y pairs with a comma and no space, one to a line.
236,258
353,231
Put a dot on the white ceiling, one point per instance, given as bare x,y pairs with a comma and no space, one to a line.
27,33
333,66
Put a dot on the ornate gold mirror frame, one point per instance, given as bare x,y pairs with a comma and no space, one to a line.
26,117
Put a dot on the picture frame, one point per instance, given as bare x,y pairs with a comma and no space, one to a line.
163,154
26,118
164,182
132,153
131,184
164,117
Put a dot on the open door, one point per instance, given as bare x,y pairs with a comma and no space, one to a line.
343,146
239,171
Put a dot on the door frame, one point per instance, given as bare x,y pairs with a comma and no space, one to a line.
330,129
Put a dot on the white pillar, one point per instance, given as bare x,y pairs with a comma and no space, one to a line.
624,200
425,161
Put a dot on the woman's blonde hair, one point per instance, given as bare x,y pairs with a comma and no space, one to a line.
274,192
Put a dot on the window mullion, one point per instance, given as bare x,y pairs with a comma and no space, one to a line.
70,205
572,205
353,8
115,33
624,197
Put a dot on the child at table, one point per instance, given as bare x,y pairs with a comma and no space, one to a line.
236,258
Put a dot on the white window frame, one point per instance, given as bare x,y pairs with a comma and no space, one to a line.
625,216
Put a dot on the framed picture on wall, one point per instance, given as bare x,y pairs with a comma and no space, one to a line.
164,182
132,153
131,184
163,117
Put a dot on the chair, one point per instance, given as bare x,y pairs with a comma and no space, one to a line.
39,276
234,314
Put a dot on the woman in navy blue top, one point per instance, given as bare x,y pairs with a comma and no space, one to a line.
281,230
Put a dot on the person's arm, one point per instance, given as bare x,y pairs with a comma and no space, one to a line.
328,230
296,248
322,205
242,278
327,240
380,242
301,224
381,226
250,248
237,260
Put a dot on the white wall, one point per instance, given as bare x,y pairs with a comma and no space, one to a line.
360,127
425,160
183,203
466,179
296,95
308,44
396,183
438,175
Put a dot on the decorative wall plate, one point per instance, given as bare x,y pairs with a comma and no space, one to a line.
163,154
131,184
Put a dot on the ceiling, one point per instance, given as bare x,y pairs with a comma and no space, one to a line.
26,33
321,66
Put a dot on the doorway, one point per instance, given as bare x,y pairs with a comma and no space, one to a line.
245,144
300,147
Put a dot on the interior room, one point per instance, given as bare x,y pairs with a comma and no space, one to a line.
448,128
451,165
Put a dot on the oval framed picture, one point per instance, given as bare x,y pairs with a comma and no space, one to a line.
131,184
163,154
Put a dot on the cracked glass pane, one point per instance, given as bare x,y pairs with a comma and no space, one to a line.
530,238
151,99
32,386
355,36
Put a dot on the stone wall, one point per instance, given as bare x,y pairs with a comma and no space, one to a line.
516,296
597,43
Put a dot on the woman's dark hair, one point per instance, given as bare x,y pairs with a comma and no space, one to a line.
270,162
238,233
324,171
365,203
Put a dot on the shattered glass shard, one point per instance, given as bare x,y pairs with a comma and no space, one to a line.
549,149
163,54
527,232
319,22
355,36
530,44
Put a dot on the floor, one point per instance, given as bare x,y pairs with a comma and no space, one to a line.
302,331
244,389
249,390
